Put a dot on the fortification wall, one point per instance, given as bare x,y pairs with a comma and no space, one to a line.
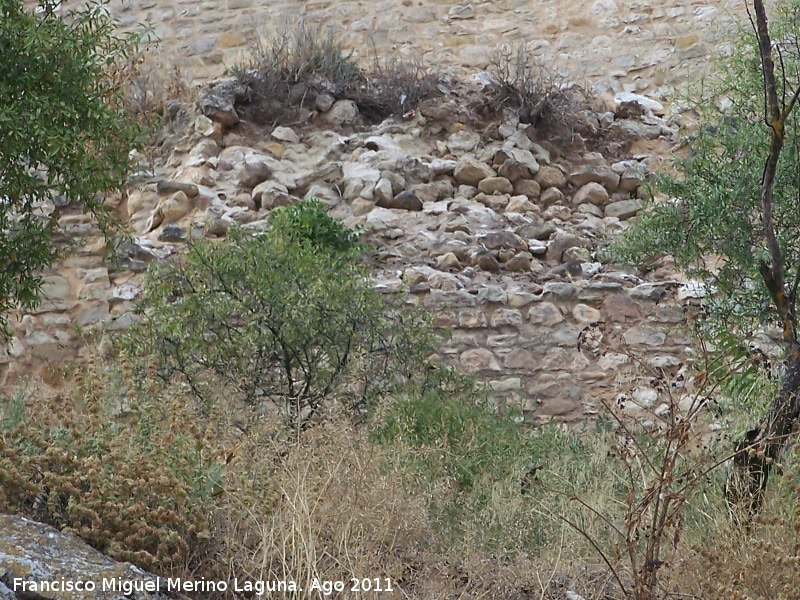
548,333
642,44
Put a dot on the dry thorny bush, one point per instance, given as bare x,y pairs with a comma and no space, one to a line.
153,96
660,522
290,66
556,110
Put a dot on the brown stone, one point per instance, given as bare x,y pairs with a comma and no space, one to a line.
619,307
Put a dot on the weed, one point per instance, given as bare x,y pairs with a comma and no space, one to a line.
290,67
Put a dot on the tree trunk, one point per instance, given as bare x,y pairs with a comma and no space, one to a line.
763,446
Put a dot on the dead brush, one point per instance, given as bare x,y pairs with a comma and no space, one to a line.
554,108
661,453
337,513
130,480
394,86
760,561
151,95
290,66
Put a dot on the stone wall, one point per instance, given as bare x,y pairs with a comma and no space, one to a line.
504,255
642,45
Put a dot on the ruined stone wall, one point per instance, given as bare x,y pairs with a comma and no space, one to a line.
512,272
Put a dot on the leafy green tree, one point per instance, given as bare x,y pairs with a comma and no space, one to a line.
64,138
733,216
286,317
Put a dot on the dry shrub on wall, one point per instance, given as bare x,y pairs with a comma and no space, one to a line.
152,94
395,86
290,66
558,111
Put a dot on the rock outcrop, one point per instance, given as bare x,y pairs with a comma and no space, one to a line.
37,561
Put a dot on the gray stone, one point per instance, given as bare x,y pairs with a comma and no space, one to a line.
545,313
591,209
527,187
619,307
559,289
37,553
406,200
523,360
520,299
623,210
548,177
586,314
343,112
271,194
591,192
486,261
470,171
663,361
510,384
253,171
170,187
647,104
285,134
93,314
612,361
513,170
172,233
496,202
495,185
324,102
463,141
503,239
561,242
505,317
472,318
635,129
601,174
520,157
520,262
562,359
218,100
426,192
537,231
55,292
520,204
644,336
559,407
631,174
448,261
479,359
551,196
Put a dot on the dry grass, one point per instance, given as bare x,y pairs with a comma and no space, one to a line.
339,512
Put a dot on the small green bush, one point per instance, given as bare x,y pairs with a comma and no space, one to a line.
476,467
285,319
307,222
